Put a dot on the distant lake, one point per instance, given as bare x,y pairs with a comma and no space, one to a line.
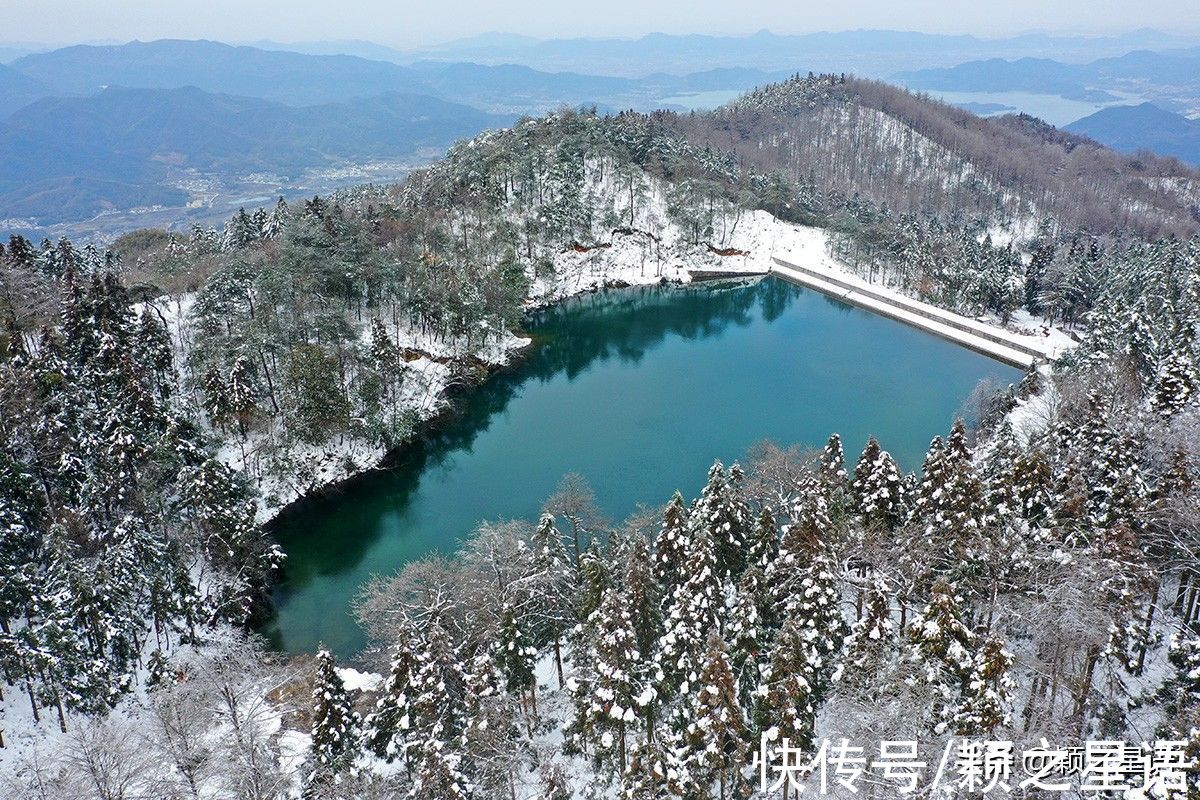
638,390
1052,108
702,101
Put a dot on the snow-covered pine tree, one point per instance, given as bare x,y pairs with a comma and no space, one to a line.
644,603
831,469
1002,501
1175,385
390,727
746,630
335,724
724,517
594,580
609,702
1180,695
810,528
653,773
717,733
878,487
438,775
872,643
763,546
812,596
1033,483
492,739
242,396
670,547
693,612
550,586
516,658
943,647
784,706
989,692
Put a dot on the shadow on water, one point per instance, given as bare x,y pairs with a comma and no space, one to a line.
638,389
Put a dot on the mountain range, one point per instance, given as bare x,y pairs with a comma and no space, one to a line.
74,157
90,129
1172,77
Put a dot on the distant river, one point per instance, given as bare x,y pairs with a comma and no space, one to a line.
639,390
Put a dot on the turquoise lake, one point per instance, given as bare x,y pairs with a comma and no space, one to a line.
639,390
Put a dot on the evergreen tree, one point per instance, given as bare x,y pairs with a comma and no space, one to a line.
241,394
550,585
653,774
693,612
763,546
1175,386
785,707
943,647
516,658
723,516
989,692
670,548
608,700
335,725
878,487
716,736
871,644
438,775
389,727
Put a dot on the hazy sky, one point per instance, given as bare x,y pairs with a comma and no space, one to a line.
403,23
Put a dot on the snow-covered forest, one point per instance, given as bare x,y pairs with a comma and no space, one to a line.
1036,579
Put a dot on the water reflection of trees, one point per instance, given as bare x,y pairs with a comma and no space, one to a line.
332,533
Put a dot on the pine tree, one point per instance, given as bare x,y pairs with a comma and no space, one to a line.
551,584
335,725
810,594
516,658
724,517
832,464
1002,499
878,487
242,394
645,615
871,644
438,775
670,548
989,692
608,701
942,645
763,546
1033,483
785,707
693,612
390,727
716,736
653,774
1175,386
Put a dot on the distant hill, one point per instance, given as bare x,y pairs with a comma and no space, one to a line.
513,86
1139,71
122,141
864,52
1143,127
1040,75
912,154
18,89
294,78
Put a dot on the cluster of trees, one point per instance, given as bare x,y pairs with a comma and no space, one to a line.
122,536
1015,588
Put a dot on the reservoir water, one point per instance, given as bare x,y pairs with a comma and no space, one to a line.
638,390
